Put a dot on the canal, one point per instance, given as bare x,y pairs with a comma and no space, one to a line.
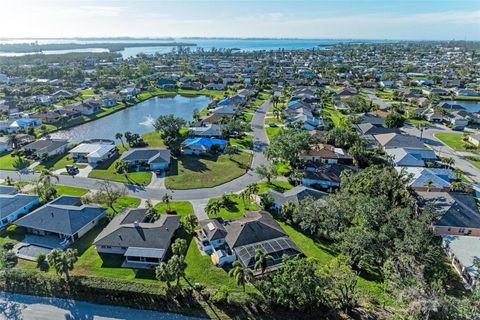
136,119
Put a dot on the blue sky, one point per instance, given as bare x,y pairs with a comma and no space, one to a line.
373,19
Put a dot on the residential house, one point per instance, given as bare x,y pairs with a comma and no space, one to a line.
46,148
474,139
138,239
228,241
208,130
429,179
408,157
93,153
65,219
23,124
325,153
294,195
396,140
4,146
13,205
197,146
326,177
456,121
147,159
458,212
463,251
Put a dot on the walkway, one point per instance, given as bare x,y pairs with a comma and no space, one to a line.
260,141
199,208
17,307
381,103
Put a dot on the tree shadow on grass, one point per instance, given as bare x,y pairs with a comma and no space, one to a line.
194,164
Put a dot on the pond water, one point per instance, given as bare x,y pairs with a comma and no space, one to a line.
136,119
470,106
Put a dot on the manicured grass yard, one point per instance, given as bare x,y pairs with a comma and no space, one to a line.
191,172
280,186
453,140
106,171
335,116
58,162
244,142
71,191
238,210
272,131
124,202
183,208
475,161
153,139
7,162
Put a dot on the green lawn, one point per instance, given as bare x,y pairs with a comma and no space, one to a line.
272,131
280,186
453,140
191,172
153,139
273,120
335,116
71,191
416,122
183,208
7,162
474,160
244,142
58,162
106,171
237,210
124,202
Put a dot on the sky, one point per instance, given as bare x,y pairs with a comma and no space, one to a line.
318,19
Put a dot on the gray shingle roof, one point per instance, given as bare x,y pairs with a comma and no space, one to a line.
296,194
128,229
46,146
11,203
151,155
63,219
455,209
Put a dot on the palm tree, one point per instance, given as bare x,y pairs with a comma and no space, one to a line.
261,260
429,184
151,212
119,136
63,261
253,189
213,207
242,275
166,199
162,273
122,168
46,177
190,222
288,208
449,162
13,141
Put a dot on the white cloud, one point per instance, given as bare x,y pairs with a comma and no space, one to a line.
101,11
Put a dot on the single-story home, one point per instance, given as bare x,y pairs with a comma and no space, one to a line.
199,145
294,195
429,179
13,205
325,153
140,241
93,153
409,157
23,123
65,219
396,140
47,147
458,212
208,130
147,158
227,241
463,251
325,176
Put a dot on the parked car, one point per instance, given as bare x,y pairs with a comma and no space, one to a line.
72,170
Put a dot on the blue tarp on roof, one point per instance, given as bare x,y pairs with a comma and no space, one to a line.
204,142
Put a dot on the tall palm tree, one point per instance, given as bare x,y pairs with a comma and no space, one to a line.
13,141
213,207
429,184
242,275
121,167
119,136
166,199
46,176
151,212
288,208
63,261
261,260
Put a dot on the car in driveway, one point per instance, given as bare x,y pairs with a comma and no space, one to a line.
72,170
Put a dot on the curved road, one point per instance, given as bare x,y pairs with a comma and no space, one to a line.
260,141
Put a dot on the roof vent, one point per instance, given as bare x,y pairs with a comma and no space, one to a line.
136,224
120,236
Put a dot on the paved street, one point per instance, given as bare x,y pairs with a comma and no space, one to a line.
260,141
381,103
444,151
23,307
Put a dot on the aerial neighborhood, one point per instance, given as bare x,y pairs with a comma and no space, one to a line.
344,179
